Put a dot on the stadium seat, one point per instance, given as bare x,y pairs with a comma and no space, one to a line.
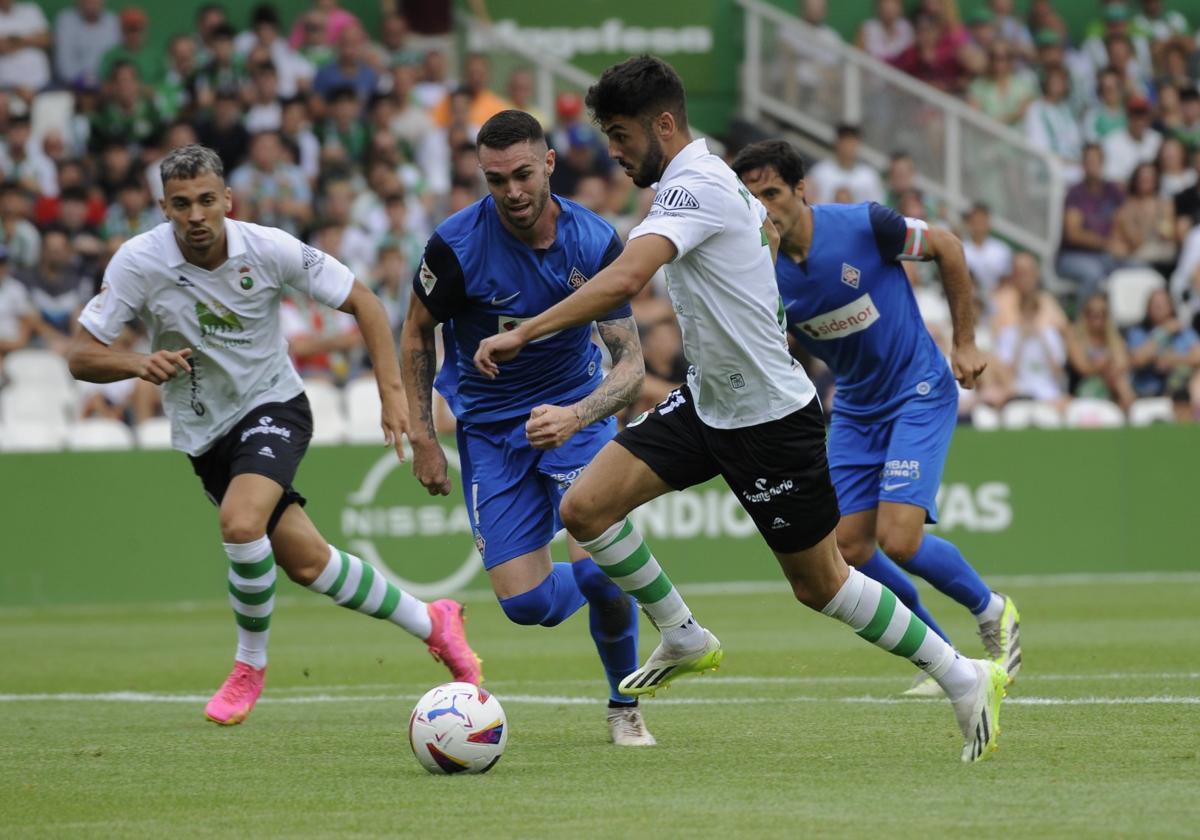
23,436
48,403
1022,414
37,367
1087,413
362,411
1150,410
52,110
1128,291
154,433
985,418
329,424
96,433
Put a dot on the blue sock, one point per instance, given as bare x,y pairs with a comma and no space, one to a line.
551,602
882,569
613,619
941,563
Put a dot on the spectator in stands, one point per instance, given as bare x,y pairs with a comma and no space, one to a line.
350,69
296,132
132,213
268,189
982,29
22,161
128,115
18,317
1052,53
1189,129
1187,201
521,90
209,16
1158,24
1098,356
82,233
1108,114
1175,175
18,236
1144,227
1134,144
132,49
293,72
1164,352
1043,16
1051,125
1031,356
25,33
1113,25
391,281
1025,282
483,104
844,169
935,61
57,287
178,92
1175,67
223,131
1134,78
1090,209
1001,93
394,42
988,258
334,21
888,34
435,83
83,33
264,111
399,233
343,129
1012,30
224,70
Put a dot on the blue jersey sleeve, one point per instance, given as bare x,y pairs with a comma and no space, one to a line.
890,229
439,282
611,253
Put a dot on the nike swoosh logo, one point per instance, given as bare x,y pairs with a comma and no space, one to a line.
501,301
890,487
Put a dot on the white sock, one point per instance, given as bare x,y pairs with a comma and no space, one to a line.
992,611
252,596
357,585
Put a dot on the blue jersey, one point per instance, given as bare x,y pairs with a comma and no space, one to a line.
480,280
850,304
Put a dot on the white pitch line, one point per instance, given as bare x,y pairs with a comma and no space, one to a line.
564,700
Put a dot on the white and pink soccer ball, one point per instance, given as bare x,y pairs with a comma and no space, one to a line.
458,728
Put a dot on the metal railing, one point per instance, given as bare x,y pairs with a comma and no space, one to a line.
803,79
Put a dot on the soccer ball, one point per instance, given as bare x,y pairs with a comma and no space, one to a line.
458,728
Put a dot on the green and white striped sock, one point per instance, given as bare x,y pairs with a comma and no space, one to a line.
623,555
874,612
252,596
355,584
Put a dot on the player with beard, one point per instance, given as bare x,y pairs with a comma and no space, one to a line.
747,413
523,440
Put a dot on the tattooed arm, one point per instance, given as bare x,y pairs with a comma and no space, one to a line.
418,362
551,426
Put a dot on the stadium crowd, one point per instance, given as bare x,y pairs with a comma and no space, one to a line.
360,143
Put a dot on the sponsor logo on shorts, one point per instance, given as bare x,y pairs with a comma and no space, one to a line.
900,469
764,492
266,426
889,487
566,479
779,523
737,381
267,452
846,320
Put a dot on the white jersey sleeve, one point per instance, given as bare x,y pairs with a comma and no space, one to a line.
121,296
686,215
312,271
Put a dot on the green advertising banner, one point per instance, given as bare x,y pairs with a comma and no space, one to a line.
135,526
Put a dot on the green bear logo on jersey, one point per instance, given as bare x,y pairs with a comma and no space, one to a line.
220,321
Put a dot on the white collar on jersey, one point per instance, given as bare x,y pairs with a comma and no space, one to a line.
233,236
692,151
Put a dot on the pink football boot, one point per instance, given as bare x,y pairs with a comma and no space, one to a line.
237,696
448,642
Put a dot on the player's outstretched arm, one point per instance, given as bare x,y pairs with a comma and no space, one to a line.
90,360
612,287
418,358
551,426
377,335
946,250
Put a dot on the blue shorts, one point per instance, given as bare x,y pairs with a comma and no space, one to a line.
896,460
513,490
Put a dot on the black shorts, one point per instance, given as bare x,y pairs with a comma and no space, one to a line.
777,470
270,440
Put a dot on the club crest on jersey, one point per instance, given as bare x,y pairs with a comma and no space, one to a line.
850,275
577,278
428,278
676,198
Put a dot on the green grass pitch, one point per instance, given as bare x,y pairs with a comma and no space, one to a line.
800,733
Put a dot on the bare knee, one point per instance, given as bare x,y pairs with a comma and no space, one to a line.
815,574
583,519
899,544
855,549
239,526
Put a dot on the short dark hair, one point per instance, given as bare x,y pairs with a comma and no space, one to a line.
508,128
980,207
847,130
643,86
1189,94
779,155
